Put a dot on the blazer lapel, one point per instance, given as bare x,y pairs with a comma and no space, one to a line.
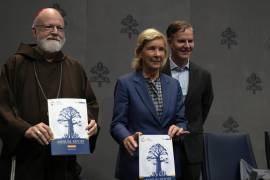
165,96
141,89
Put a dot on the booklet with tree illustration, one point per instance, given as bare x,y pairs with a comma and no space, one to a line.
156,158
68,121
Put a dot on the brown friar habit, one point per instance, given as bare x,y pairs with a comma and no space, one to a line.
22,105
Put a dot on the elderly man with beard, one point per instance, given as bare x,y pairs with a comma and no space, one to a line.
34,74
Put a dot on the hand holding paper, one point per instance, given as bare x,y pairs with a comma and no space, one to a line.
130,142
176,131
41,132
92,128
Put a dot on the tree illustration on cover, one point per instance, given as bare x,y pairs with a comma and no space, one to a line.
70,117
158,154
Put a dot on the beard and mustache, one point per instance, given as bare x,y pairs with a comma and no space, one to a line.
51,45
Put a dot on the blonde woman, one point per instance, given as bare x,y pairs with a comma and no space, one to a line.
146,102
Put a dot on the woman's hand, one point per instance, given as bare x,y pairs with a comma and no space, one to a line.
130,142
176,131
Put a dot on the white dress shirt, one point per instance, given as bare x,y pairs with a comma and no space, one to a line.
181,74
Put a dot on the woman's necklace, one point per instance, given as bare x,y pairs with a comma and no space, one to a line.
39,84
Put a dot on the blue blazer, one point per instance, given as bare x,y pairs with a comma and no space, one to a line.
134,111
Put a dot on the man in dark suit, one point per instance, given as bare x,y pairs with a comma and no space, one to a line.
197,92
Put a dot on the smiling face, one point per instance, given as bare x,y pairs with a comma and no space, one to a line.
181,44
48,29
153,54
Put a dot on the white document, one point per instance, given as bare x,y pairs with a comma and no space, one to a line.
156,158
68,120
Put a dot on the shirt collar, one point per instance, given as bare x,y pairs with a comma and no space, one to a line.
152,81
174,66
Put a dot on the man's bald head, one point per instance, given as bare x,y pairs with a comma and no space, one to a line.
48,30
45,14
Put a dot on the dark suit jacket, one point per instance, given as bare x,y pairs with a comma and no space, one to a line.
134,111
197,105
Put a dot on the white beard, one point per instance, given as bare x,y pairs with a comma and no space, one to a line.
50,46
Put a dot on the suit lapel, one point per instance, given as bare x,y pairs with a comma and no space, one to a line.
166,69
166,96
141,88
191,81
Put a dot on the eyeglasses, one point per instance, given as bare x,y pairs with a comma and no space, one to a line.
50,28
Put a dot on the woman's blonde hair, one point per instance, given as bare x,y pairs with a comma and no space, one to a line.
144,37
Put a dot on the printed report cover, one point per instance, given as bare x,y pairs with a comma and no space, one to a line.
68,120
156,158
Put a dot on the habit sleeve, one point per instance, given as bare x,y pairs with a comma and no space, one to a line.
12,126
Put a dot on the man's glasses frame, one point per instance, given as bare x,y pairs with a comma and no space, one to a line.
50,27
